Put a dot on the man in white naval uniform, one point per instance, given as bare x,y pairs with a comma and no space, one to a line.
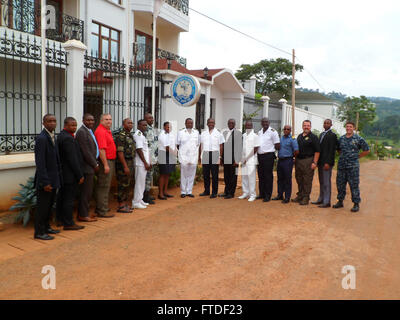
188,141
251,143
142,165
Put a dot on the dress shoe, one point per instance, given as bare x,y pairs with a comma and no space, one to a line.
243,196
183,195
144,203
168,195
139,206
107,215
222,195
229,196
162,198
213,196
190,195
277,198
338,205
52,231
73,227
316,202
297,199
152,198
268,199
259,197
251,199
326,205
355,208
285,201
304,201
204,194
43,236
86,219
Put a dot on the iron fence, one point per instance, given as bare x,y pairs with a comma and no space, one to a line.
181,5
143,54
20,89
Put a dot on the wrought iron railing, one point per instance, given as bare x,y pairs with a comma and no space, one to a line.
144,53
24,15
181,5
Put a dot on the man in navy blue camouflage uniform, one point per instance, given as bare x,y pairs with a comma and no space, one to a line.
349,147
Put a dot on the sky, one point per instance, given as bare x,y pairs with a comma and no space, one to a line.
348,46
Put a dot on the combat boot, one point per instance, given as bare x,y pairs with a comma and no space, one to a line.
355,208
304,201
146,198
338,205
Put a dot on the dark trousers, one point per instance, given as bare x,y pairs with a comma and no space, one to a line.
85,195
45,201
285,169
65,204
304,177
265,174
230,179
210,160
324,177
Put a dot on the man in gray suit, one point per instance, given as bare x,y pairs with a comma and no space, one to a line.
232,156
90,152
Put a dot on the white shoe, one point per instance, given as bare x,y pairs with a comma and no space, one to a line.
144,203
252,199
243,196
139,206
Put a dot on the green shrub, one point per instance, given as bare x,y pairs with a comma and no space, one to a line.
27,201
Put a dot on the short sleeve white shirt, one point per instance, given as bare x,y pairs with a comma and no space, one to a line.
166,140
268,139
188,146
211,140
141,143
251,140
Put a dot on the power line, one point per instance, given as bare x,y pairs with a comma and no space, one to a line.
257,40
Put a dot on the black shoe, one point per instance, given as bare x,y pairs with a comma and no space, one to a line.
259,197
285,201
297,199
204,194
147,198
52,231
73,227
222,195
162,198
268,199
338,205
43,236
327,205
277,198
316,202
190,195
213,196
228,197
355,208
183,195
151,198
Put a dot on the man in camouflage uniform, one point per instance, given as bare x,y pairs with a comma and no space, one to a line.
349,147
125,164
151,137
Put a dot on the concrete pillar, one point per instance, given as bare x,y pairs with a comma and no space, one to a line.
207,104
284,116
75,73
265,100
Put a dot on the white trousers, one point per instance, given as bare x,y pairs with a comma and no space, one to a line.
188,173
140,184
249,180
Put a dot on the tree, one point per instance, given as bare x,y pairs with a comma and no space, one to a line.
353,105
274,75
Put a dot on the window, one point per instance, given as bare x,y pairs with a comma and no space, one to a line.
116,1
144,47
105,42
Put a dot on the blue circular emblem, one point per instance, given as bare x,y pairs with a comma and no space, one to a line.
185,90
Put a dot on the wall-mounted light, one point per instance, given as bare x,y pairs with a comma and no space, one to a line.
169,62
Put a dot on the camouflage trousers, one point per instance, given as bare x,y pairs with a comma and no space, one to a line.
149,179
125,182
351,176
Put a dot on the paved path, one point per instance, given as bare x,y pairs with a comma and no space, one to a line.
220,249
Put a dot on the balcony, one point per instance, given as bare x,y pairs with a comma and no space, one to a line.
181,5
24,16
144,53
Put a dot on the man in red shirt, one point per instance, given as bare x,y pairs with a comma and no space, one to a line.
108,154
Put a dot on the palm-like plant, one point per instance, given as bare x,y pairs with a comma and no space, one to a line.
27,201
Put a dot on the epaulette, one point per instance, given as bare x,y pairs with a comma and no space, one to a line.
140,133
272,130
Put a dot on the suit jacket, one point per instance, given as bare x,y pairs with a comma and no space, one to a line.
88,149
70,157
328,148
233,147
48,166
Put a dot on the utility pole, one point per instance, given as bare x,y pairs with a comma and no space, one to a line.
293,90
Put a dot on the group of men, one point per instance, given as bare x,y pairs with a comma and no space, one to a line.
69,162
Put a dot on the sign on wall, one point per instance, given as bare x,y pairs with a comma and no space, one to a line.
185,90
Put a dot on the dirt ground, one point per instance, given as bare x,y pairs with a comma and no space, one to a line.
220,249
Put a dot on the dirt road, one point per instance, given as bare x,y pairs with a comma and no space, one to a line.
226,249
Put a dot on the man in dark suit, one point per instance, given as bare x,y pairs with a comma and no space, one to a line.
90,152
328,142
47,177
71,164
232,156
